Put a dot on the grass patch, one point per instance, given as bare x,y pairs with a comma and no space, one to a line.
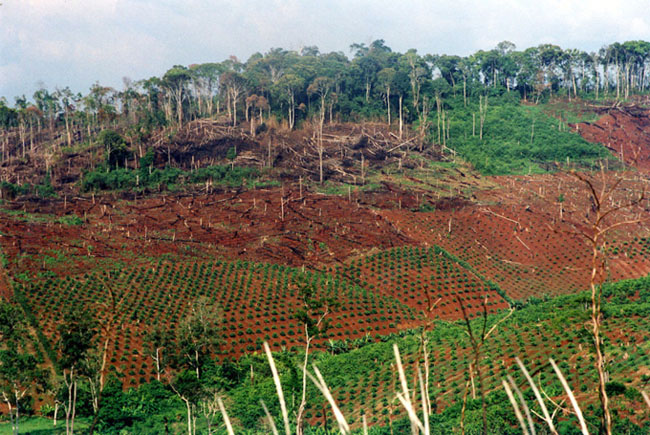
42,425
333,188
23,216
517,139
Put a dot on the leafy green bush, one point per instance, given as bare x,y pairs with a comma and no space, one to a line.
102,179
11,190
116,148
615,388
45,189
118,179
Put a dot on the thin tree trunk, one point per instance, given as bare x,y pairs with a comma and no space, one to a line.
189,416
11,414
388,104
320,139
596,317
67,129
74,408
157,359
301,408
465,91
196,360
17,419
179,106
401,116
292,111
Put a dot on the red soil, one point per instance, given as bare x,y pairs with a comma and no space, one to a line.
315,230
625,131
524,235
255,304
516,237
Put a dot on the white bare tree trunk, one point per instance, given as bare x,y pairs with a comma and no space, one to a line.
189,416
157,360
303,400
401,116
388,104
320,138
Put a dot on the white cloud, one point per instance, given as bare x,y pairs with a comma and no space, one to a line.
66,9
75,42
9,74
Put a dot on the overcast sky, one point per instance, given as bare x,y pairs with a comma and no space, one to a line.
78,42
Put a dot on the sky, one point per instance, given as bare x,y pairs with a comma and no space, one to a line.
75,43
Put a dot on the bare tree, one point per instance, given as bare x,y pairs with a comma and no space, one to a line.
482,111
386,77
19,371
477,340
77,337
197,338
233,82
199,335
321,86
175,80
424,342
313,318
157,345
604,214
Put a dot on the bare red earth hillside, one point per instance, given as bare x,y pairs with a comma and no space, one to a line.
375,251
625,130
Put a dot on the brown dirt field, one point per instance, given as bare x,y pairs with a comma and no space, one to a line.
316,230
625,131
255,306
417,281
515,236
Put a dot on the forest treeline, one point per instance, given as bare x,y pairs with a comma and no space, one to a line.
376,83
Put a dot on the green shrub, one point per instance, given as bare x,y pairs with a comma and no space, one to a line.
615,388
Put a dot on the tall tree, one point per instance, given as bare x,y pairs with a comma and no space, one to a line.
205,78
77,335
321,87
419,73
159,346
313,318
386,78
199,335
196,339
288,86
67,100
47,104
175,81
234,85
19,371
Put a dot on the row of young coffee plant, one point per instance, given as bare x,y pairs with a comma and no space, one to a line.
366,385
427,279
364,382
506,248
257,302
